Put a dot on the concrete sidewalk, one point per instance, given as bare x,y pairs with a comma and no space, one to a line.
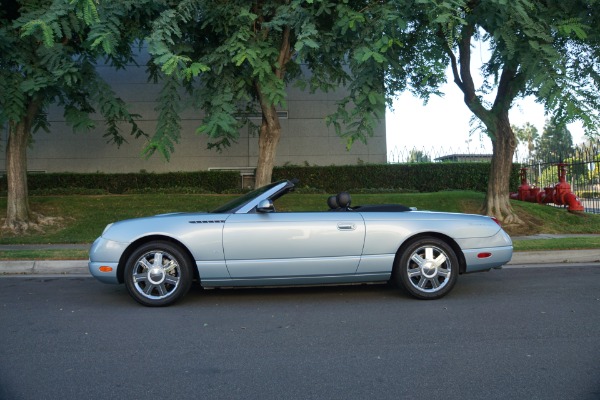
79,267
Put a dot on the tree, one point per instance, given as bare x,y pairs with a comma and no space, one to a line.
528,135
48,51
555,144
416,156
548,49
236,57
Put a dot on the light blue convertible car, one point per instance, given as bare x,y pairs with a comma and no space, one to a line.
248,243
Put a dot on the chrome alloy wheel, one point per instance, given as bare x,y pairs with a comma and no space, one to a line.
156,275
429,269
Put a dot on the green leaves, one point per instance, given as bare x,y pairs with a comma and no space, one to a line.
169,122
194,70
13,101
550,47
364,54
573,26
106,35
230,57
306,38
34,84
48,56
87,11
175,63
33,26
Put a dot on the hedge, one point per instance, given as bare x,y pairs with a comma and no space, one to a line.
204,181
421,177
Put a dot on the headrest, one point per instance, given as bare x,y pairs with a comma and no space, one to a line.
343,199
332,202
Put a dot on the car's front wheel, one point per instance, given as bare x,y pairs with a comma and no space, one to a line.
427,268
158,274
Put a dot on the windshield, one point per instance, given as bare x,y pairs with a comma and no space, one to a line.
240,201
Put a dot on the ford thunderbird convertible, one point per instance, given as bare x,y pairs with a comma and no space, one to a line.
247,242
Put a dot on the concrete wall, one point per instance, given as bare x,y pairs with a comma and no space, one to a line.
305,137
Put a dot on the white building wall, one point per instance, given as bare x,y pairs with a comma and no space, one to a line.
305,137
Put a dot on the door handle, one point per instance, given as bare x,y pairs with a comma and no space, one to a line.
344,226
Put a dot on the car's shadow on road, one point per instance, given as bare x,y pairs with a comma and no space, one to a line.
472,286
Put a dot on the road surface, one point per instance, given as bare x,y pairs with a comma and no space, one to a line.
516,333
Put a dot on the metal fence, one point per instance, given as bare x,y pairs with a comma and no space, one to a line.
582,164
437,154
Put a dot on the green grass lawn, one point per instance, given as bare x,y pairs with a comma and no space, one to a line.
571,243
59,254
80,219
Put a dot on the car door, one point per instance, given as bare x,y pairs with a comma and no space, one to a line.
311,244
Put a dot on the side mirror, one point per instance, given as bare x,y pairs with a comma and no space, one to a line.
265,206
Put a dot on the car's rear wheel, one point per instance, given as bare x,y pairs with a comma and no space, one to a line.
427,268
158,274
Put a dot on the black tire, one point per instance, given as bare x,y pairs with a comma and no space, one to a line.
158,274
427,268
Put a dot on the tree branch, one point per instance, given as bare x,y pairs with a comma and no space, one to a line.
508,89
468,86
285,54
453,62
464,52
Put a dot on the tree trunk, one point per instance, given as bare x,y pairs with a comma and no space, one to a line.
497,203
18,214
270,128
270,132
496,120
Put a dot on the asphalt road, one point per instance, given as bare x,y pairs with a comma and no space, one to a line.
516,333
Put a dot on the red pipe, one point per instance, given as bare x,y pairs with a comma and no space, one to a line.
573,203
559,194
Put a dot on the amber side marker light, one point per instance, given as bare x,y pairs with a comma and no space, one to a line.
484,255
105,269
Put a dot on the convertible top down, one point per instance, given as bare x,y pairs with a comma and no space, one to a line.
246,242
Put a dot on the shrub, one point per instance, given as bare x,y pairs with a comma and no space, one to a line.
420,177
75,183
365,178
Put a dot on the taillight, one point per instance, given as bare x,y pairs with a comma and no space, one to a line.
496,221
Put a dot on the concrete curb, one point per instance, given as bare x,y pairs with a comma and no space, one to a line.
50,267
555,257
80,267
